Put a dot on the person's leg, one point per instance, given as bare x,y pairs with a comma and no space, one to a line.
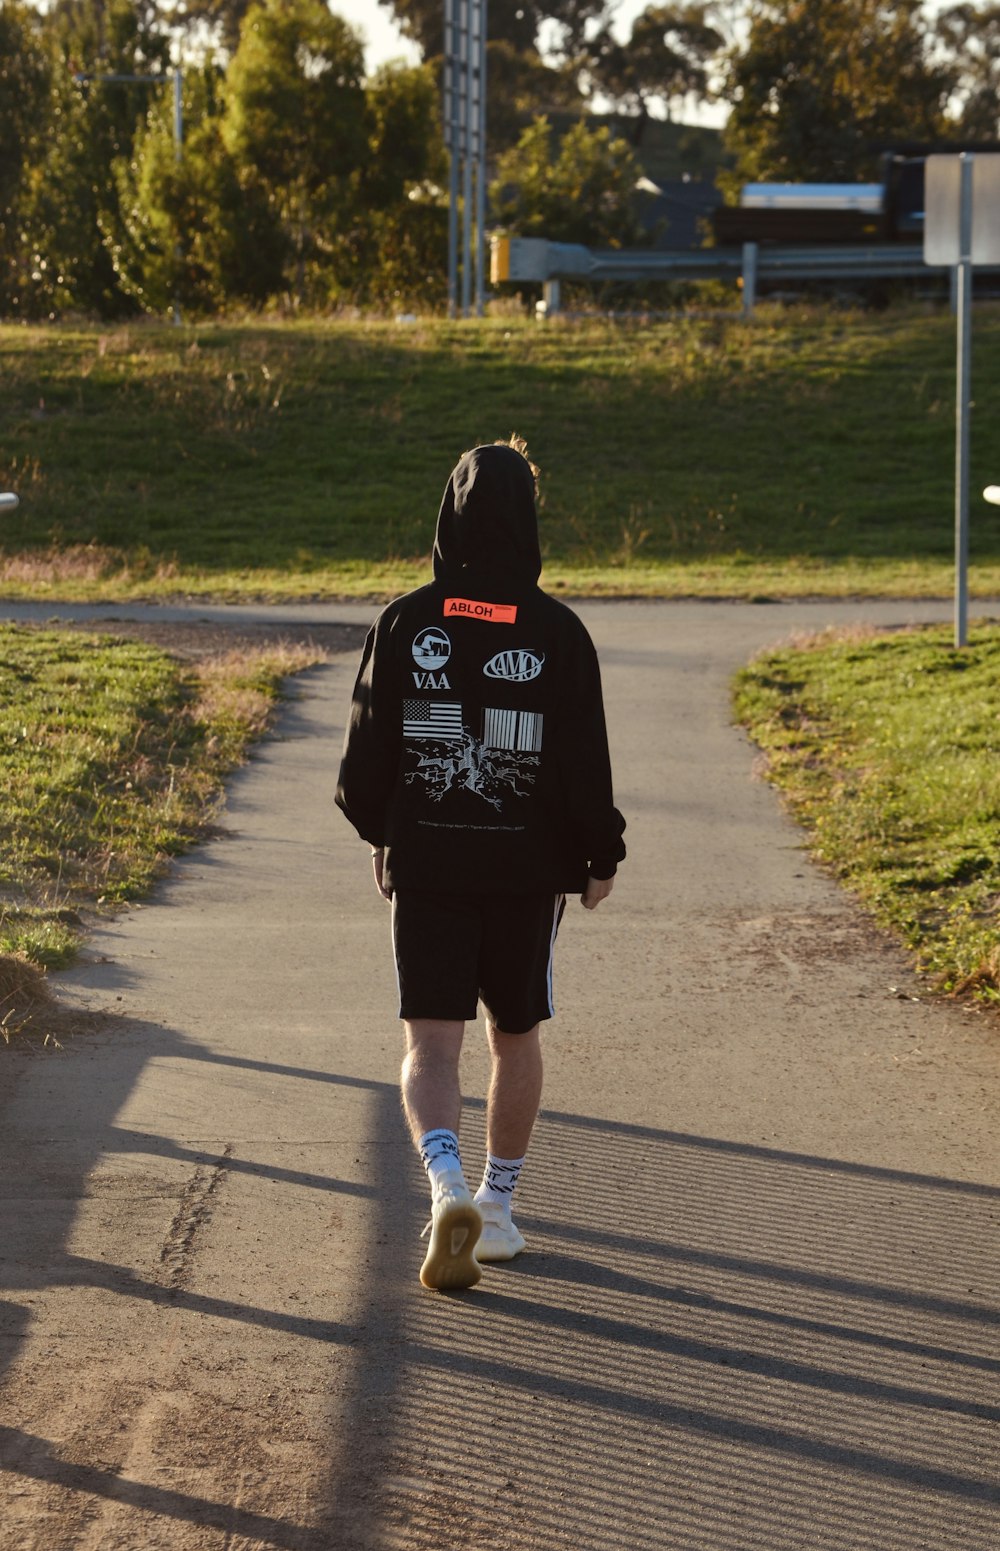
512,1106
432,1103
516,989
515,1091
432,1099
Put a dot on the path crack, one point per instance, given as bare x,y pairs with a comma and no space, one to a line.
192,1213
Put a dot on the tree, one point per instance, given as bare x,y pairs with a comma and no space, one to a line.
399,231
522,87
576,21
296,118
24,99
514,21
666,58
223,19
822,86
583,191
971,33
71,207
195,232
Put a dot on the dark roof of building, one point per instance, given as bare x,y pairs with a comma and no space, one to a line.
678,212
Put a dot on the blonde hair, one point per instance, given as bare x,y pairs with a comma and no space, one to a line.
519,444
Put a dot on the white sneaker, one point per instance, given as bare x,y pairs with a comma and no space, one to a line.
455,1226
500,1239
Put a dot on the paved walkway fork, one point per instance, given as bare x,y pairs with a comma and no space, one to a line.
759,1307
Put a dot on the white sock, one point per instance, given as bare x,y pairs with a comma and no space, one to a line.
499,1179
439,1153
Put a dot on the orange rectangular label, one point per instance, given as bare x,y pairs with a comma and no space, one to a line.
468,608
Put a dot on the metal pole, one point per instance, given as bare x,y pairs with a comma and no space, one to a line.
963,378
178,155
451,67
749,278
466,128
178,113
466,236
481,168
453,233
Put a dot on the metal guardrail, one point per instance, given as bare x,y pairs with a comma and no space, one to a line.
535,258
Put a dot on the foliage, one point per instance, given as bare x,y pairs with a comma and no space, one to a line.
888,749
300,183
800,453
399,231
222,18
579,191
197,234
510,21
72,212
823,86
295,119
24,90
666,58
521,86
971,36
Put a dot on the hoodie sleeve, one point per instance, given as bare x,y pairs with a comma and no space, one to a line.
585,766
370,763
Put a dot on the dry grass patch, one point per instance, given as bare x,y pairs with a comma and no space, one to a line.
23,993
113,755
887,747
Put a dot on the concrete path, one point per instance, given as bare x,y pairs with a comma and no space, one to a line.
760,1308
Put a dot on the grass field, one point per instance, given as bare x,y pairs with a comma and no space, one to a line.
112,754
801,453
887,746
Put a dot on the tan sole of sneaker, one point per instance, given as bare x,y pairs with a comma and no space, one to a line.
451,1259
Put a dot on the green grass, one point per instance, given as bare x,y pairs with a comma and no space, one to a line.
802,453
887,746
112,755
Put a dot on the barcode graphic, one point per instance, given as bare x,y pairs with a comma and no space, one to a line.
521,730
432,719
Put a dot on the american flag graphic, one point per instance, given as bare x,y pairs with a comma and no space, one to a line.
521,730
432,719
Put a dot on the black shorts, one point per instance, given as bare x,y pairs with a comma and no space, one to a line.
453,949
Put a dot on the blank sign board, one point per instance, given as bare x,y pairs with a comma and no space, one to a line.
942,209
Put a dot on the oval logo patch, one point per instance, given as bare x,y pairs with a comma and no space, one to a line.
515,667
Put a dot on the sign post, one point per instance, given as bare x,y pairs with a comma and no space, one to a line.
963,381
962,228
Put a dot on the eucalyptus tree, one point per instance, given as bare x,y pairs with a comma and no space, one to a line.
820,87
296,119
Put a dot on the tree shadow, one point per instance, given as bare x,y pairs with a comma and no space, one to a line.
708,1344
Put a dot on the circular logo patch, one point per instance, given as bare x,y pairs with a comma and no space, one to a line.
431,650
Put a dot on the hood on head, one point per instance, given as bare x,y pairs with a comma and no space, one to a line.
487,523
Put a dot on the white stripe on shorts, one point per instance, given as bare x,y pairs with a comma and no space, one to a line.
560,901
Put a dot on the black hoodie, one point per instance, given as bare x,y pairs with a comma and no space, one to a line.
476,750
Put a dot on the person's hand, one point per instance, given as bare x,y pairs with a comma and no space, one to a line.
378,863
596,890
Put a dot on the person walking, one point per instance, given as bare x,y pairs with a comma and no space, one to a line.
476,766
